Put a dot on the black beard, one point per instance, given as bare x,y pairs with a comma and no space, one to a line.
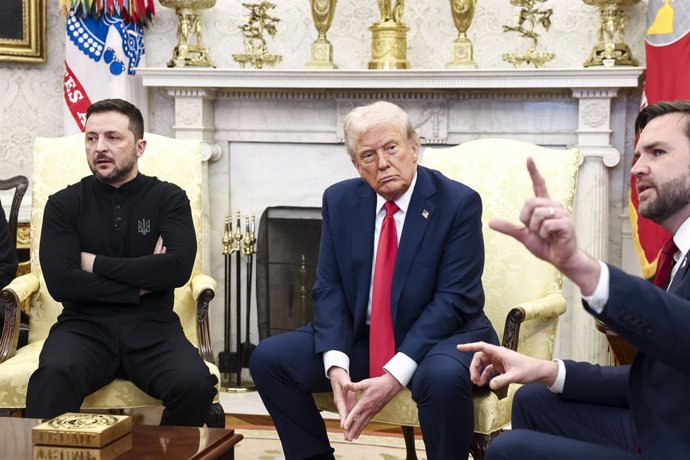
671,198
117,173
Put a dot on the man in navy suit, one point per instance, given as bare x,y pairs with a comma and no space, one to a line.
436,299
585,411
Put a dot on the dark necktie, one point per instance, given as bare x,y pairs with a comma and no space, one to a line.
664,264
381,338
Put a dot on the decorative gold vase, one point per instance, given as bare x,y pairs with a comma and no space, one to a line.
322,12
389,38
186,53
611,48
463,12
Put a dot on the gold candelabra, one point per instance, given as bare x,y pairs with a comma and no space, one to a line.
529,17
258,23
189,51
322,12
611,48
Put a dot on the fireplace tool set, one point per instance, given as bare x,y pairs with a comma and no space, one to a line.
230,362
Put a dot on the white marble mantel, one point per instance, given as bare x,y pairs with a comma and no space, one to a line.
576,78
296,108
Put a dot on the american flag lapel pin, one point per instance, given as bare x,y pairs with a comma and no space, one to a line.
425,214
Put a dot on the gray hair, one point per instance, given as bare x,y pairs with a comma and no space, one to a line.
363,118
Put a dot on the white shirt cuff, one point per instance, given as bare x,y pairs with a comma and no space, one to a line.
402,367
557,386
600,296
335,358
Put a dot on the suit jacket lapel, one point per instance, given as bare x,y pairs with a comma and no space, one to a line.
362,223
677,281
416,222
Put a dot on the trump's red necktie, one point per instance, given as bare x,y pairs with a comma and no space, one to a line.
664,264
381,339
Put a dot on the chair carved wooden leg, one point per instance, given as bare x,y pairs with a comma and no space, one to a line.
408,434
216,416
479,444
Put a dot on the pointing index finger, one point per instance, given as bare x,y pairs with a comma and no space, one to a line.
538,184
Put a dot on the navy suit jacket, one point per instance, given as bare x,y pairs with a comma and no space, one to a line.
436,291
656,387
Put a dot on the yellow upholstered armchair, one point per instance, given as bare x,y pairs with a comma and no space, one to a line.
58,162
523,294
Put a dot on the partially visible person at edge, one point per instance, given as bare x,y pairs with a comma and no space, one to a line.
384,323
114,246
575,410
8,259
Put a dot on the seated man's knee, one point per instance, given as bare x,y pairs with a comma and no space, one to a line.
194,386
529,403
509,444
263,358
439,375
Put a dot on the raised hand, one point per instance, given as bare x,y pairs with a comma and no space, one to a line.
548,232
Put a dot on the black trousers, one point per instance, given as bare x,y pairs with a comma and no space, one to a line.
546,427
84,352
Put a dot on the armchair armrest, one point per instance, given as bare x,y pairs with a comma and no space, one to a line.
11,299
203,291
549,306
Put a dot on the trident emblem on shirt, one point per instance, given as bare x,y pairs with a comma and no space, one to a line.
144,226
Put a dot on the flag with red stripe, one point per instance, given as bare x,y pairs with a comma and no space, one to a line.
104,45
667,48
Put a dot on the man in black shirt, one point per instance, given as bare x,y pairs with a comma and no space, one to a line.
113,249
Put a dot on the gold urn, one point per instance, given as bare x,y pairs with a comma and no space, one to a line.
611,48
189,51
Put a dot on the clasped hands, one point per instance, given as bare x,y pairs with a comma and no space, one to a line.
355,414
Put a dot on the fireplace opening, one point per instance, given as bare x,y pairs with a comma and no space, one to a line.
287,250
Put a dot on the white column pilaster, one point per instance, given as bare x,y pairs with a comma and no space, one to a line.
597,155
195,119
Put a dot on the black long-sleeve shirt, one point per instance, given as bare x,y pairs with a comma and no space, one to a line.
8,252
121,226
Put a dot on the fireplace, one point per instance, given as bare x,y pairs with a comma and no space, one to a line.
287,250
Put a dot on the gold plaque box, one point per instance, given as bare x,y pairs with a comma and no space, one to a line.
81,430
108,452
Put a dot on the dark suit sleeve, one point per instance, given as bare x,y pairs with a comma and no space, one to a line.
594,384
8,252
332,320
655,321
159,272
60,256
457,295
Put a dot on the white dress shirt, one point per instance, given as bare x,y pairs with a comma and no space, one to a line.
400,366
600,296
